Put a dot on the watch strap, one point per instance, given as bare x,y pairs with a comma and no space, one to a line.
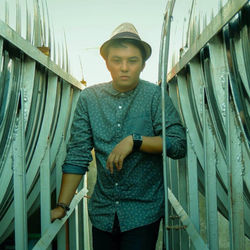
137,139
63,205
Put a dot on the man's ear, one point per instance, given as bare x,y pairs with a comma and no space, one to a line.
107,65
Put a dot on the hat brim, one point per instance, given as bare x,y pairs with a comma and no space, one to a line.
126,35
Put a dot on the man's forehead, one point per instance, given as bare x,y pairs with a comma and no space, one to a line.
128,49
118,56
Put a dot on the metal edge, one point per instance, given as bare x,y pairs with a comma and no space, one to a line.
223,17
12,37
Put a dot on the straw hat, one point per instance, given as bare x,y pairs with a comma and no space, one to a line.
123,31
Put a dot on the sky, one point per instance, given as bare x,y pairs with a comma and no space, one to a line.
89,23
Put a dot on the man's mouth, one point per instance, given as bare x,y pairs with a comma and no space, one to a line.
124,77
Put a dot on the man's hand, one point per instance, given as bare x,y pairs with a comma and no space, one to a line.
69,185
119,153
57,213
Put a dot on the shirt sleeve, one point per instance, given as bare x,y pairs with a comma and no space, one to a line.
81,143
175,132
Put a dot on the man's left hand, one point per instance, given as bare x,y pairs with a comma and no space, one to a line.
119,153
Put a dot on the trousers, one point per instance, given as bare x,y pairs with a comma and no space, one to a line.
141,238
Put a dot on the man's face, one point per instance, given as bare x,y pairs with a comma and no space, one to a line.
125,65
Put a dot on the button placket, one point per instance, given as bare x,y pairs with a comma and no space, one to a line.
119,116
116,192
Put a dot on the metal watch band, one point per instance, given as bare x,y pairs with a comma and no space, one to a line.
137,139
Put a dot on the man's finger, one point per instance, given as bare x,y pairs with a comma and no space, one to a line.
110,163
116,161
120,162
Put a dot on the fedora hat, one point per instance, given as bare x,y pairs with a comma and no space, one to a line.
126,31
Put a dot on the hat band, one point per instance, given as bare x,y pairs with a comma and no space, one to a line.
126,35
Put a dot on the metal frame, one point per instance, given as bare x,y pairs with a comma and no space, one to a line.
38,110
210,88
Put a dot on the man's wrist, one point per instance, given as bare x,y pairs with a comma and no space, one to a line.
137,142
64,206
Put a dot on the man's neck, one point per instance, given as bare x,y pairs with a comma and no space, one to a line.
123,90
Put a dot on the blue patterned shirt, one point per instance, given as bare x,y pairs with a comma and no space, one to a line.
103,117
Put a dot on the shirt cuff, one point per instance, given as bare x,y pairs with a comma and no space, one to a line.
73,169
168,144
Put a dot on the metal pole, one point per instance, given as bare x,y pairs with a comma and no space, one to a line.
163,76
19,174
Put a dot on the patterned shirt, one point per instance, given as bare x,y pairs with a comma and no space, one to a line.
103,117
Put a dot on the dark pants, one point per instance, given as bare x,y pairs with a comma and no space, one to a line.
141,238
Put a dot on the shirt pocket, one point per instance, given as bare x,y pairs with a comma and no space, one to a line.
140,124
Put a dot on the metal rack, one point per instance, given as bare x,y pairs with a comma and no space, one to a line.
208,81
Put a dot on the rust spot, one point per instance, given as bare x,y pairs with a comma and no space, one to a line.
83,82
44,50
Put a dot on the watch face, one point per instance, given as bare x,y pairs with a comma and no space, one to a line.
137,137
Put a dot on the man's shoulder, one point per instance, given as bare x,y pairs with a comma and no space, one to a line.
98,86
94,88
149,86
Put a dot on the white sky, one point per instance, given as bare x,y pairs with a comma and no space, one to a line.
88,23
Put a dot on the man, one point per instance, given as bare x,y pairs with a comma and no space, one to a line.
121,120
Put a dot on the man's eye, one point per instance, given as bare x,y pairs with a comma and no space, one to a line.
132,61
116,60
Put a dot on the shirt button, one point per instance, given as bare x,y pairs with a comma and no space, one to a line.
120,107
117,202
119,125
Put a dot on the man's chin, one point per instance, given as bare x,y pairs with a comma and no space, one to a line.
125,86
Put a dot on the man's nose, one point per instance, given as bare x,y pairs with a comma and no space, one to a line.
124,66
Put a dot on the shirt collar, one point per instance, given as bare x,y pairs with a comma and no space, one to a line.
111,90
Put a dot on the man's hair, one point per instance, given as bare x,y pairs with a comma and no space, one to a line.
121,43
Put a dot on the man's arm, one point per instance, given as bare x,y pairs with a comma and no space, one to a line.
152,145
78,156
175,132
69,185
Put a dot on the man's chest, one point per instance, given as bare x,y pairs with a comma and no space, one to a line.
121,117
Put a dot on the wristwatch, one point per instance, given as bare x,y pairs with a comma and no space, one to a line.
137,139
63,205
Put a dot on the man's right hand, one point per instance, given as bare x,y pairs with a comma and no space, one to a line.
119,153
57,213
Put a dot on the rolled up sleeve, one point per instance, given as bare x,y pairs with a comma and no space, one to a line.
175,132
81,140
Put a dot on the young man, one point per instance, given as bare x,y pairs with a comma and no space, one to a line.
121,120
